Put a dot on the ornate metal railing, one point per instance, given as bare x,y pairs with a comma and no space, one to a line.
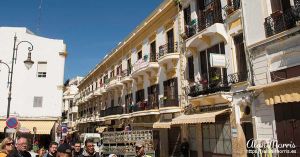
170,102
153,57
210,15
167,49
231,6
280,21
112,111
238,77
215,84
140,106
125,72
191,28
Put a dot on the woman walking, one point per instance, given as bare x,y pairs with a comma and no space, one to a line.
7,146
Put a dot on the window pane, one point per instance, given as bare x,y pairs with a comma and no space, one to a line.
219,130
206,145
205,130
227,147
213,144
226,132
212,131
220,146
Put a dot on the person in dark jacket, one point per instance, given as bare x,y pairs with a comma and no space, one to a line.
89,150
77,151
21,148
185,148
52,150
64,150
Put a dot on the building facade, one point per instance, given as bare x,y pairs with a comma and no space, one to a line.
35,91
69,109
219,73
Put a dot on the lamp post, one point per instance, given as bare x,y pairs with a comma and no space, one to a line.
28,63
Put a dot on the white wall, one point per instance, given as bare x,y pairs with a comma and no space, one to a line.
26,84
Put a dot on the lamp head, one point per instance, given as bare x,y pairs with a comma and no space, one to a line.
28,62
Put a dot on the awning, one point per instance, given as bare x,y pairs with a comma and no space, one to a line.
43,126
281,92
2,125
162,125
101,129
209,117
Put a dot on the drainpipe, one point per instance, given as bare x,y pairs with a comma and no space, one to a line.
248,56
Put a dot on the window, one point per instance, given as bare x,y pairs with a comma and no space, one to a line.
191,68
140,55
170,36
217,137
112,73
170,92
153,52
153,92
140,96
71,103
37,101
42,69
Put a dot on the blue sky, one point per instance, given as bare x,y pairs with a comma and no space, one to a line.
90,28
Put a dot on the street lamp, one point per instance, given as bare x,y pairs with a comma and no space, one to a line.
28,63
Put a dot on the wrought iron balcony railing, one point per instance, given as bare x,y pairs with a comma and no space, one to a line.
231,6
191,29
216,84
167,49
210,15
111,111
280,21
125,73
238,77
153,57
140,106
167,102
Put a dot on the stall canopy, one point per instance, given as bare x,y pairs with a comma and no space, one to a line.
208,117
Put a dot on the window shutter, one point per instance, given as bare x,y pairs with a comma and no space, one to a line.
37,101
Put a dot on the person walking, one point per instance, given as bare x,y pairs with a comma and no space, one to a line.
185,148
52,150
77,151
7,146
89,150
21,148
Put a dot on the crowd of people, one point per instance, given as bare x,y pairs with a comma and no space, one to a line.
10,148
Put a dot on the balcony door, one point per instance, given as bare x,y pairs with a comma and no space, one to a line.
170,92
280,5
153,52
170,39
153,92
212,76
240,57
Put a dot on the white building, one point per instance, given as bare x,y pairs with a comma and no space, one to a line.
69,108
36,92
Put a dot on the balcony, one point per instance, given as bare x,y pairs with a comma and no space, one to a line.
143,65
216,84
168,53
210,15
238,77
280,21
112,111
125,76
114,82
141,106
231,7
170,102
214,91
73,109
